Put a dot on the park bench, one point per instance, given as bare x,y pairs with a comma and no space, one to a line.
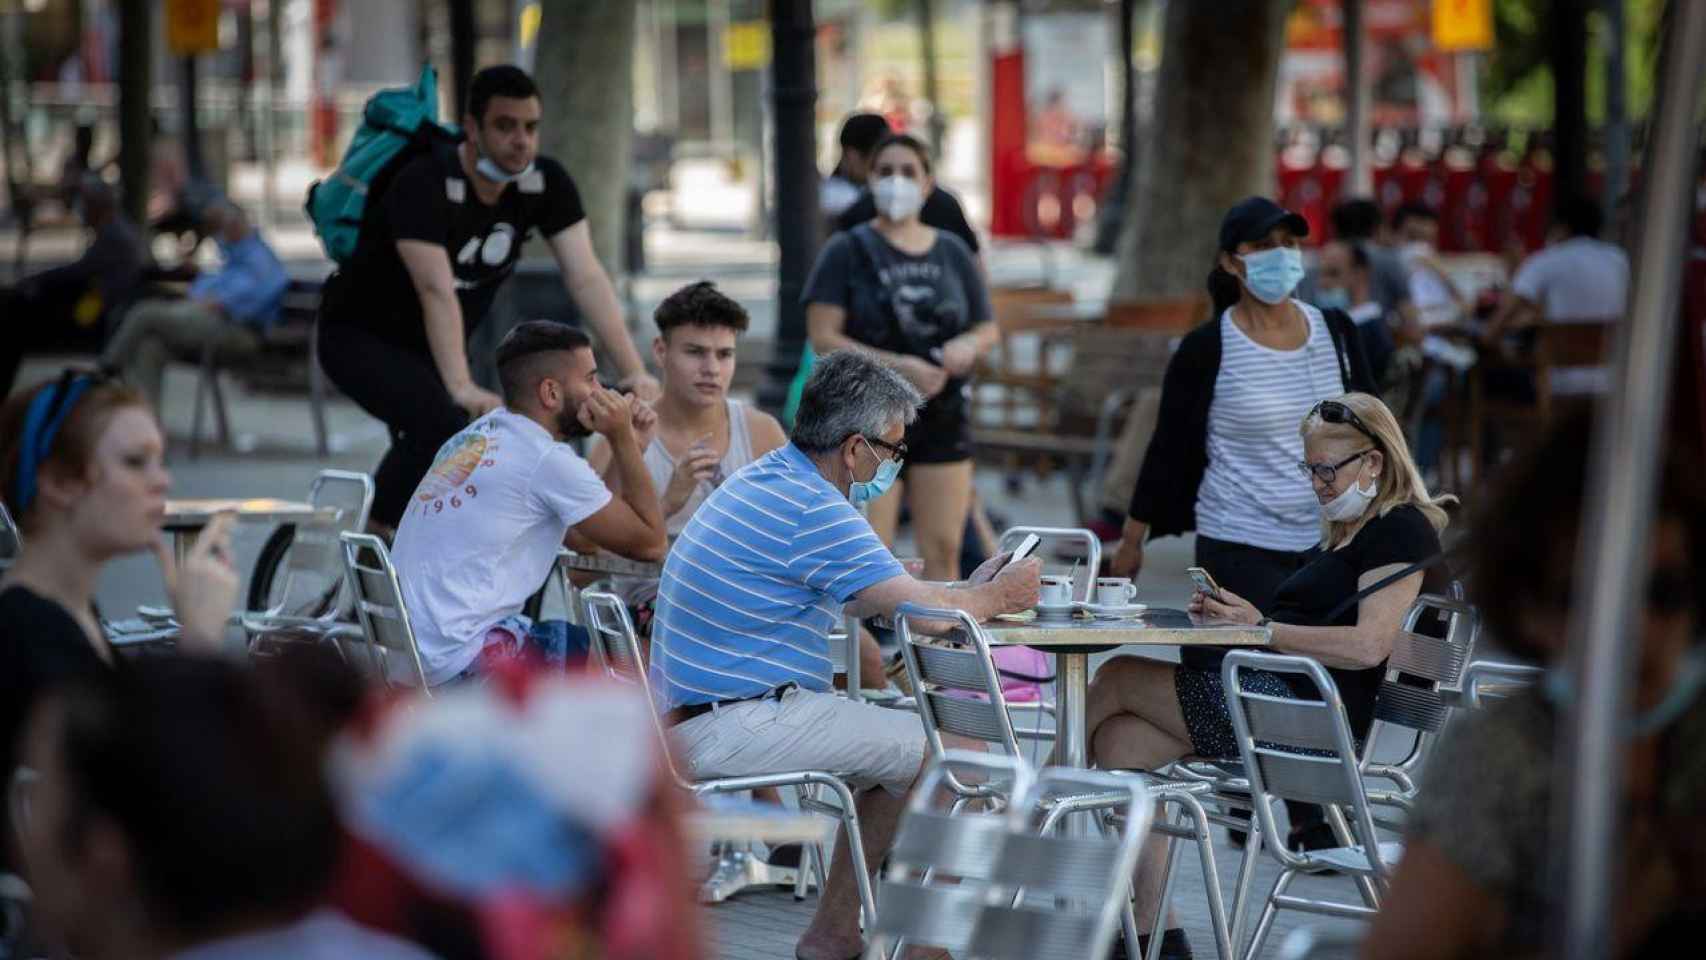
289,354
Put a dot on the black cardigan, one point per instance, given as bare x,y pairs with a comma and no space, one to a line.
1166,494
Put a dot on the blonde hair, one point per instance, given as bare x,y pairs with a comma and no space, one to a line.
1399,484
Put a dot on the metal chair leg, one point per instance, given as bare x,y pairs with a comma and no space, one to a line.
1170,871
1268,913
1246,877
317,394
221,414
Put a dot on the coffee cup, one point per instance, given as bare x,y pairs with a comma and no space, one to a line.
1115,591
1055,591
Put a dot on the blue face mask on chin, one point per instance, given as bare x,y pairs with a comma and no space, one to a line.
488,168
1337,298
1560,688
1271,275
861,492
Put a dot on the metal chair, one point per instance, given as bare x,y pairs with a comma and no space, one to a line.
616,643
1492,678
1011,537
11,539
314,603
378,601
958,692
1303,750
1422,675
1018,891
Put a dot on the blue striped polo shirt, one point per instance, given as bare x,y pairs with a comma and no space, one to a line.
755,582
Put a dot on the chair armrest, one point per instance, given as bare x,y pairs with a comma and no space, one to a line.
1495,678
1393,775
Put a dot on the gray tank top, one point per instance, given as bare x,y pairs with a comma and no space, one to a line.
661,466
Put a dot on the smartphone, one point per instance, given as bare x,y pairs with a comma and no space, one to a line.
1204,582
1026,546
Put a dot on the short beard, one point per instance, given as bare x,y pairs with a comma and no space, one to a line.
570,426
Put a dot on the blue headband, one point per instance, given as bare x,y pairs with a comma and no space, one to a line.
46,415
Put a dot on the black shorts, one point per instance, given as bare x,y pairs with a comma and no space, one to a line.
942,432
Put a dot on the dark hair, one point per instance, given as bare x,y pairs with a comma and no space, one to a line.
504,80
863,131
1413,210
519,367
1359,255
1355,219
1533,518
1581,215
1224,290
906,140
700,305
214,782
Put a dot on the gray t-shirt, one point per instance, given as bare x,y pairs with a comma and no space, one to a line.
1486,803
1388,281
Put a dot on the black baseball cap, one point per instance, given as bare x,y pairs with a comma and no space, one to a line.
1251,218
861,131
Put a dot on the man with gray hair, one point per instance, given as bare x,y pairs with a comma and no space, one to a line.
752,588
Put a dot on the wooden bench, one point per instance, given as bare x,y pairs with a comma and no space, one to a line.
288,353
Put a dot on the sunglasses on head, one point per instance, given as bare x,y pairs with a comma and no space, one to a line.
1334,411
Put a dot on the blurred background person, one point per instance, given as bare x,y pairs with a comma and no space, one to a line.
846,183
1345,281
913,296
860,136
227,310
178,809
1477,878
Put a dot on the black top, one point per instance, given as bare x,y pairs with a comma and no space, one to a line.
1166,494
113,265
41,646
1402,536
941,210
432,199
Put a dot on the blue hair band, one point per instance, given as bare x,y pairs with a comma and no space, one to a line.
41,425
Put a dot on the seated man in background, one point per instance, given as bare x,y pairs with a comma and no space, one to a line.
67,305
1344,281
756,581
178,809
228,309
481,533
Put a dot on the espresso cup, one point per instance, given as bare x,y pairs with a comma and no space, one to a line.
1055,591
1115,591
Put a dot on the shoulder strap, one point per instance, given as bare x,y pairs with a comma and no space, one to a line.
863,235
1383,583
1335,320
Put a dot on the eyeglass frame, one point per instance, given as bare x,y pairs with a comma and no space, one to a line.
1343,409
897,450
1332,469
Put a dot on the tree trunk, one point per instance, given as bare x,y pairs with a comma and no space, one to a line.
926,12
1568,51
585,73
1210,144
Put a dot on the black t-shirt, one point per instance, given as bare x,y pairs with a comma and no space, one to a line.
41,646
1402,536
431,199
941,210
930,299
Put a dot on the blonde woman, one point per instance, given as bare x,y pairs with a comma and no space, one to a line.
1377,520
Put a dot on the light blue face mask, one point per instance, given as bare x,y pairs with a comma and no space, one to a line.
862,492
1336,299
1271,275
488,168
1560,688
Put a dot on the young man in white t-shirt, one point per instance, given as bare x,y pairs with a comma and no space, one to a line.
482,530
1577,277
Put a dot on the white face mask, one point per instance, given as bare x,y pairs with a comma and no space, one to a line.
897,197
1351,503
1416,250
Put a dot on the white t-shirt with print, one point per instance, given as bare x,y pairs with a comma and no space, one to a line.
482,530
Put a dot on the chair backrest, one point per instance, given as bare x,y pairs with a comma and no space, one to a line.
1014,892
11,539
616,645
378,600
313,573
1295,749
1429,653
1012,536
954,681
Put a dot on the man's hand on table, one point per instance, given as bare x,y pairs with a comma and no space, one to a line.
987,570
1019,586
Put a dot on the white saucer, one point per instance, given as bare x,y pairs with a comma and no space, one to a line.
1057,611
1115,611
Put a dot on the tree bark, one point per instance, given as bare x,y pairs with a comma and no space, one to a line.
1569,56
585,73
1211,142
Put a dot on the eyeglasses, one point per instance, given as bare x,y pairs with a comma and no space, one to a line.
1334,411
897,449
1328,472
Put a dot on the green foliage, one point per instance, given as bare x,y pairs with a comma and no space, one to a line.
1516,87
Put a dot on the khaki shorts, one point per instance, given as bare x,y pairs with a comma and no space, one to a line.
804,730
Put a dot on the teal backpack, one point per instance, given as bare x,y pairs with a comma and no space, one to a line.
397,125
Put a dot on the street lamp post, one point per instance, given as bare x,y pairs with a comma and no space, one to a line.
793,89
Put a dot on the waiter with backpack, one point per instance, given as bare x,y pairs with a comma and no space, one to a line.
444,233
